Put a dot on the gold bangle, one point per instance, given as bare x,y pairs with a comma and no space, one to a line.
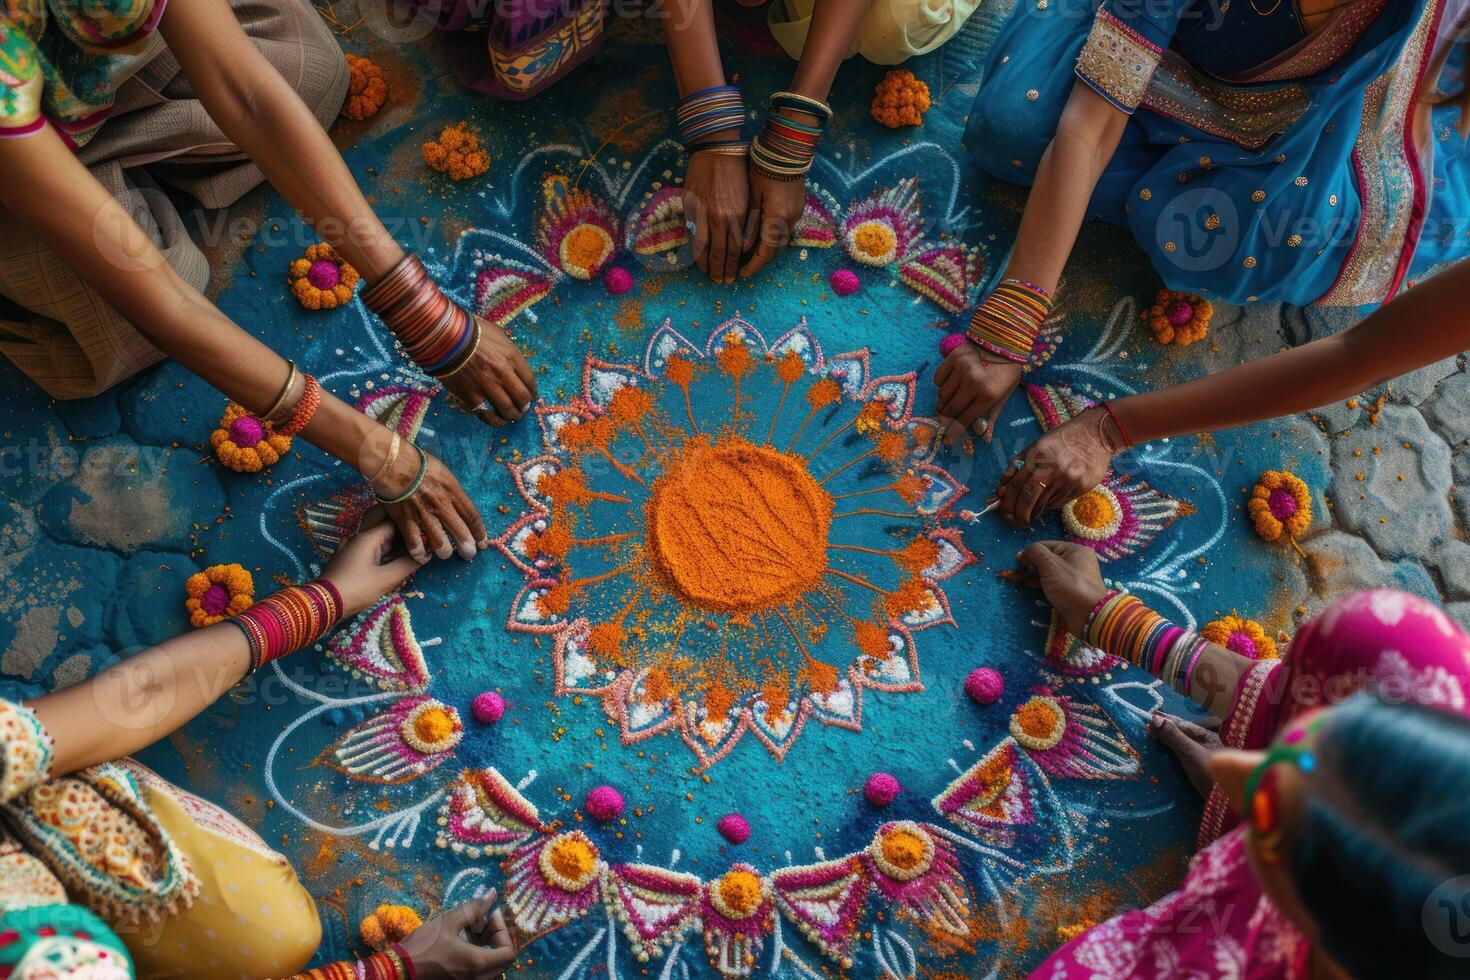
393,447
469,355
285,392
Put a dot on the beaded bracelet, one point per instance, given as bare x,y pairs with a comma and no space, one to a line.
413,487
1007,323
434,330
305,410
704,115
1122,625
285,621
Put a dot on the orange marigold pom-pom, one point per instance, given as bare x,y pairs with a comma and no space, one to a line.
1179,318
457,153
387,925
1244,636
900,100
1280,506
366,91
245,443
217,593
322,279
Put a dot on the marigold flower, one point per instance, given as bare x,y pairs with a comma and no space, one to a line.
322,279
247,444
1244,636
1179,318
1280,505
900,100
217,593
387,925
367,89
457,153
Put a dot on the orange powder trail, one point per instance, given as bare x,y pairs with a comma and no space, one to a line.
859,493
802,428
622,467
878,513
780,403
812,610
823,676
848,465
689,411
828,441
594,579
856,580
866,551
605,539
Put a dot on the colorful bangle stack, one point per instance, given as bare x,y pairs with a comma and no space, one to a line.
1007,323
390,964
286,621
707,115
305,410
786,148
436,332
1122,625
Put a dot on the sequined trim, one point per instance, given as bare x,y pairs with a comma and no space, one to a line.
1232,735
25,750
1247,117
205,815
1389,180
1317,50
1117,61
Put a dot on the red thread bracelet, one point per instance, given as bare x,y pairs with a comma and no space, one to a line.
1108,406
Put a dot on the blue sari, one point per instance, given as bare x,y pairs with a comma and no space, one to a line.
1297,180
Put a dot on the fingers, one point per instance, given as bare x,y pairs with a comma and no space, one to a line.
752,229
471,515
372,517
491,418
434,537
467,916
459,533
1163,728
991,419
732,250
522,368
518,391
955,429
694,211
719,240
946,369
1037,555
504,407
413,536
763,254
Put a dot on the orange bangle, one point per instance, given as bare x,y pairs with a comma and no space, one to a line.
306,406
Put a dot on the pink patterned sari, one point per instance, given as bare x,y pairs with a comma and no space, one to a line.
1218,923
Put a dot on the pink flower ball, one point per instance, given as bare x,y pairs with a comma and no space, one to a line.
215,600
1282,504
734,828
603,804
1180,312
617,280
488,707
845,282
323,274
882,788
984,685
246,431
949,343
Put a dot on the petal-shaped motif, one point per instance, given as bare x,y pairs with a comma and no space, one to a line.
655,906
738,913
915,868
400,407
1069,659
552,882
411,738
817,226
953,555
485,814
896,392
664,342
740,330
1118,518
886,226
1072,738
778,729
327,523
380,645
800,340
825,901
505,289
948,275
996,795
658,225
1055,404
578,233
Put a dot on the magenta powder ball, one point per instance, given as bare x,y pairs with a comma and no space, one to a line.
948,344
734,828
984,685
617,280
845,282
488,708
881,789
246,431
323,274
603,804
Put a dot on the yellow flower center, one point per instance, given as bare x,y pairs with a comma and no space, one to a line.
874,239
903,848
1093,510
585,246
1038,718
741,892
433,725
573,858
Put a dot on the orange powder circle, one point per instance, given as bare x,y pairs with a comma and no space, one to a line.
1092,510
1038,718
573,858
433,726
741,892
586,246
874,239
737,528
903,849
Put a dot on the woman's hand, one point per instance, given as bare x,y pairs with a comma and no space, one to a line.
716,194
1069,576
1193,744
775,208
497,385
468,942
1059,467
363,568
439,517
973,388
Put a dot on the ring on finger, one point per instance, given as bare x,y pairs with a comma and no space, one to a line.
980,425
1020,465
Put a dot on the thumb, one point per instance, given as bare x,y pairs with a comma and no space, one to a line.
1038,556
1162,727
468,915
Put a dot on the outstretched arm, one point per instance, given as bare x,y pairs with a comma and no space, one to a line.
776,205
973,384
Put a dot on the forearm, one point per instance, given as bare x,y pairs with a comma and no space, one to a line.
260,112
1424,325
694,49
834,23
1070,168
133,704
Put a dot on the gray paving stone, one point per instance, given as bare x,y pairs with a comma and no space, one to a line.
126,497
1449,409
1460,613
1342,563
1416,386
1453,561
150,608
1400,504
1339,416
1239,334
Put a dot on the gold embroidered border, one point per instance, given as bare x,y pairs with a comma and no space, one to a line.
1117,60
1248,117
